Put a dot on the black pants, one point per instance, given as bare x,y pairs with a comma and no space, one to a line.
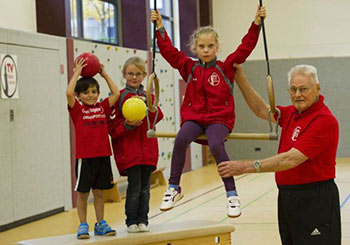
309,214
138,194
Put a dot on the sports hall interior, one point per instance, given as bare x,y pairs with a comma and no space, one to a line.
37,137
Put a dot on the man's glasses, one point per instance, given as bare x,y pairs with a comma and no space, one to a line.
302,90
131,74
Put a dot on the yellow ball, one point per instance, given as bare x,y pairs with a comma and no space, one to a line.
134,109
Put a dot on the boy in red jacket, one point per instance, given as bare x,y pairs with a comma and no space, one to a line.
135,154
208,106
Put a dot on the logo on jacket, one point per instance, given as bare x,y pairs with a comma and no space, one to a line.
296,133
214,79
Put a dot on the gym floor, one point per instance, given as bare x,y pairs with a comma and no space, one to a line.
204,201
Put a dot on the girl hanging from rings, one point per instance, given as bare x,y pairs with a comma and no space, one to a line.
208,106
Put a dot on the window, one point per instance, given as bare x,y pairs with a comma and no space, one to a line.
165,8
95,20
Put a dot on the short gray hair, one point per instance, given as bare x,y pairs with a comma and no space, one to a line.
306,70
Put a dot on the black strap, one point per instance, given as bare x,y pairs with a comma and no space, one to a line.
265,43
154,41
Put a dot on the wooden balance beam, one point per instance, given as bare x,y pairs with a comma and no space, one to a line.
187,233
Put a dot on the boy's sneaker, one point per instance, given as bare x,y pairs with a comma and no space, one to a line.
233,207
171,196
143,227
103,229
83,231
133,228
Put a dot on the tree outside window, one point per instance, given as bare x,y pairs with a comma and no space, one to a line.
95,20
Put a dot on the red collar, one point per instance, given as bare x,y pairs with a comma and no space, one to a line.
311,109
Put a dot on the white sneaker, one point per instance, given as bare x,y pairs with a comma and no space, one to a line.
171,196
133,228
233,207
143,227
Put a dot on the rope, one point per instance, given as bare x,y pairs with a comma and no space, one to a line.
154,41
265,43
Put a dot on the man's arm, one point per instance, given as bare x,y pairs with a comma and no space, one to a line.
255,102
280,162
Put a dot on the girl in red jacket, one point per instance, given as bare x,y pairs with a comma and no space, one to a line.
208,106
136,155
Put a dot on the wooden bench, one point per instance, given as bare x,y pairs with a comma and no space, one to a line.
114,194
186,233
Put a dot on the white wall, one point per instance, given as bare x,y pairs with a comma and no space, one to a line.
18,15
300,31
295,29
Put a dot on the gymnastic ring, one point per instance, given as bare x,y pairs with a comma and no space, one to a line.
152,79
271,93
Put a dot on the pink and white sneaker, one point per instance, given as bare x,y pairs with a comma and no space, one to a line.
171,196
233,207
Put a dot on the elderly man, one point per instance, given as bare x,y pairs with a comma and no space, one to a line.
308,199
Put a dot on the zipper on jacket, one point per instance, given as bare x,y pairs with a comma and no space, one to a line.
204,91
142,143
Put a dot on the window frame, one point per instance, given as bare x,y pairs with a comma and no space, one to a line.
80,22
166,19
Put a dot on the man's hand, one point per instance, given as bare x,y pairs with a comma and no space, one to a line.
231,168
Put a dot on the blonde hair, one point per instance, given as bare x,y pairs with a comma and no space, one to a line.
306,70
136,61
200,31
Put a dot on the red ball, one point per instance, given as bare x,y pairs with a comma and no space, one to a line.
93,64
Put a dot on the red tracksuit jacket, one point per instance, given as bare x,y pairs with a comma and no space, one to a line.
130,145
209,92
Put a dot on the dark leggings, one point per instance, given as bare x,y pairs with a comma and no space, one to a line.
189,131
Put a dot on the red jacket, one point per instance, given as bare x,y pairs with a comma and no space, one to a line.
130,144
209,92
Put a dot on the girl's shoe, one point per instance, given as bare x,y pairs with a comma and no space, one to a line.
171,196
233,207
143,227
133,228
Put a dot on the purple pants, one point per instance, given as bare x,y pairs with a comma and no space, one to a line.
189,131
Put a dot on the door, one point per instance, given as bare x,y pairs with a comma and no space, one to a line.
36,132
